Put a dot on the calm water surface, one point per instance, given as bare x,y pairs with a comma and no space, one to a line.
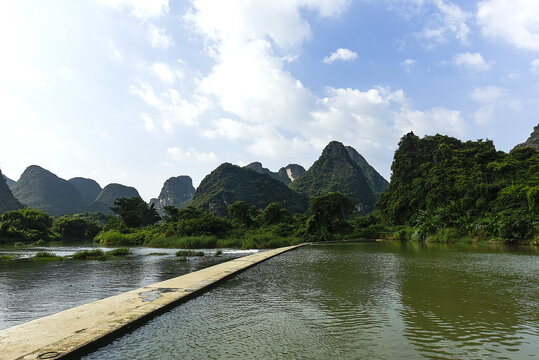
32,289
357,301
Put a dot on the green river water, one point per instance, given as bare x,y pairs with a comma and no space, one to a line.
357,301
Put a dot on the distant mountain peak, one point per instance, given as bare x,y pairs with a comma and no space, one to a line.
285,174
7,200
340,168
177,191
41,189
88,189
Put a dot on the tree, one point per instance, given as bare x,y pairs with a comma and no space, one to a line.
172,214
26,224
74,227
327,215
134,212
274,213
239,211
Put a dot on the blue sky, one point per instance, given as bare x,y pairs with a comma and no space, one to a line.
137,91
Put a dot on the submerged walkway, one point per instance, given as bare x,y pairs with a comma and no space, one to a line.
73,332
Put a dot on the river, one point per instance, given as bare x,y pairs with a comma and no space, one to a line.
340,301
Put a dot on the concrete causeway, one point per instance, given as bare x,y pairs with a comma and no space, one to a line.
73,332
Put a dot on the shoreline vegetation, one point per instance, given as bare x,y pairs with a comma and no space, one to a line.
442,190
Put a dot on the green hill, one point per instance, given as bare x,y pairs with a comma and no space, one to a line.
453,181
7,200
41,189
376,181
88,189
336,171
110,193
229,183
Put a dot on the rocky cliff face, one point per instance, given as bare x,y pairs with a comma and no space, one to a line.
43,190
177,191
7,200
533,140
285,174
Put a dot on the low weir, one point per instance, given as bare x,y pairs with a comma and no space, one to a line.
74,332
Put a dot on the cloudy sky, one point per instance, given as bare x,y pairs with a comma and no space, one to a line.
137,91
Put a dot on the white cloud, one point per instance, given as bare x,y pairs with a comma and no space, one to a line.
447,19
471,61
340,54
148,122
256,102
159,38
514,75
165,73
534,66
409,64
115,54
515,21
191,155
140,8
494,102
171,108
488,94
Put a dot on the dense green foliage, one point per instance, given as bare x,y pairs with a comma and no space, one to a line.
336,171
7,200
76,228
376,182
134,212
229,183
26,225
439,182
41,189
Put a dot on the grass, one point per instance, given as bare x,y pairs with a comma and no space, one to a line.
6,257
157,254
218,252
183,242
118,252
188,253
47,256
99,254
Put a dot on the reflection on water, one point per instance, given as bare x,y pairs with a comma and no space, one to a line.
357,301
29,289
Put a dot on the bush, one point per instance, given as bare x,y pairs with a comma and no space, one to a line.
74,227
96,254
45,254
516,226
118,252
187,253
27,225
